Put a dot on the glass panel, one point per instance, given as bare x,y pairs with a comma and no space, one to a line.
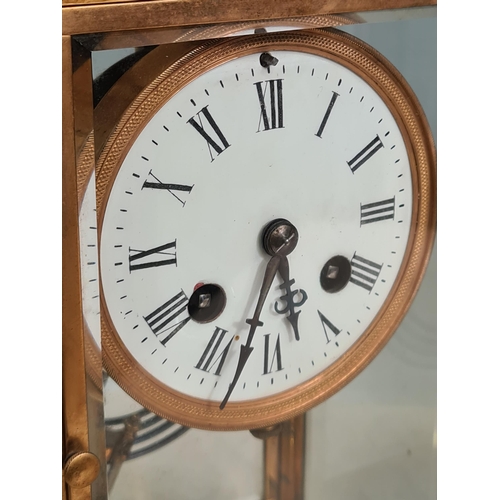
91,312
168,458
376,438
147,455
89,437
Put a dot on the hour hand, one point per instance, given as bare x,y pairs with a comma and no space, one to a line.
288,297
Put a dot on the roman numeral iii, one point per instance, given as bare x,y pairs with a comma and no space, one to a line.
364,272
142,259
163,320
210,358
269,362
214,137
365,154
271,113
380,210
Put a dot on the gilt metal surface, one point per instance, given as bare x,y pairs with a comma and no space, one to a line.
109,16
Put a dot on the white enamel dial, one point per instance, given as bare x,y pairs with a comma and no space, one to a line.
89,261
307,140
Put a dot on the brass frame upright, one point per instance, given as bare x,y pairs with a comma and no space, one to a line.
75,418
89,25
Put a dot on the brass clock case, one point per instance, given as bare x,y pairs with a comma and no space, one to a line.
400,99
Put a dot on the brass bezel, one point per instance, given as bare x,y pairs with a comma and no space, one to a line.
396,93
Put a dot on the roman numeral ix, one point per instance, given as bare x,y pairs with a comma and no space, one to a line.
209,358
217,143
364,272
274,106
161,320
380,210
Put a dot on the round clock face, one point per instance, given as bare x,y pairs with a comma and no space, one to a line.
282,143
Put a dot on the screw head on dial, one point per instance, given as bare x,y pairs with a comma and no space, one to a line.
207,303
335,274
280,235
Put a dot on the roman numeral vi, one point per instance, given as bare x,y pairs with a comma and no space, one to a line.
269,363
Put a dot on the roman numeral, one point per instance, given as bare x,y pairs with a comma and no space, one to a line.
380,210
135,255
275,104
222,143
327,323
268,367
154,183
364,272
327,115
207,361
161,320
365,154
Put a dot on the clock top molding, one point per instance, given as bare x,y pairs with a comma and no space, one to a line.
104,16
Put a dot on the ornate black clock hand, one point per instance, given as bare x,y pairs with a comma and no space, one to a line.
246,350
279,239
293,316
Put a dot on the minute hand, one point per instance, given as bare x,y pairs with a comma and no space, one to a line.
246,350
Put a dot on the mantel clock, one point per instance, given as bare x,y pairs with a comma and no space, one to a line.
255,210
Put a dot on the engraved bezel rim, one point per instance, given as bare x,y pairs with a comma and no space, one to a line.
400,99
